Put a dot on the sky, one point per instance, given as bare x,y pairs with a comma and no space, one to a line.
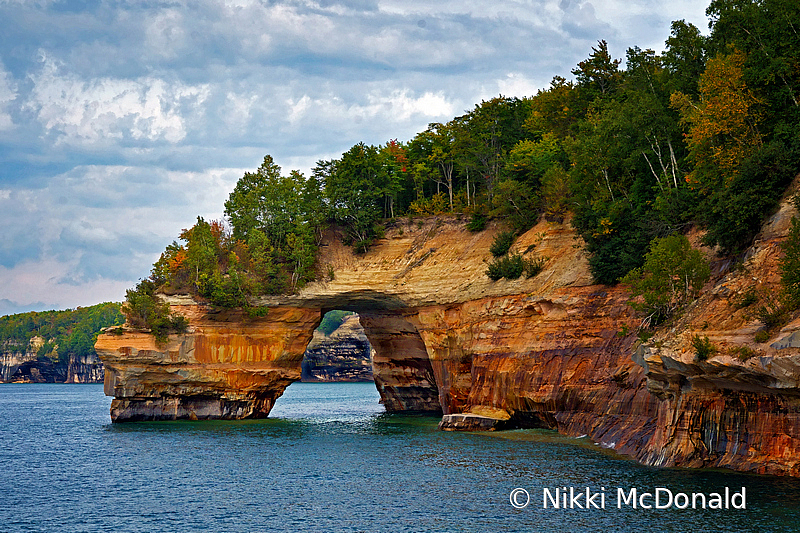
121,122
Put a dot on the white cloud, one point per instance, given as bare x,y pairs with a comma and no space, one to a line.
99,228
103,111
137,117
516,84
8,93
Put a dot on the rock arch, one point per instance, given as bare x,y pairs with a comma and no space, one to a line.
553,351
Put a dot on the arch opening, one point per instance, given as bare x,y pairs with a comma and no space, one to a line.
381,346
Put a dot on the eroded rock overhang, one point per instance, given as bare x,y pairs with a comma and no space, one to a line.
553,351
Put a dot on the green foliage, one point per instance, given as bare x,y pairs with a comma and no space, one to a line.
512,266
502,243
518,204
703,348
673,273
476,223
743,353
69,333
332,320
555,194
356,187
144,309
747,299
508,266
790,265
734,212
533,266
761,336
772,313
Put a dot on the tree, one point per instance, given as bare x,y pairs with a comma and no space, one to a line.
267,201
440,139
528,160
672,275
598,76
790,262
722,124
685,57
354,186
489,131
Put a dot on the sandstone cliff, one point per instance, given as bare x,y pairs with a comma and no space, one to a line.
553,351
345,355
25,366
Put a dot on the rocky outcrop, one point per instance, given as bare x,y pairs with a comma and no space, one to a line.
739,407
12,358
553,351
226,366
26,366
345,355
85,369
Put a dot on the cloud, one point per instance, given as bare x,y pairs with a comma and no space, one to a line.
121,122
8,93
106,111
100,226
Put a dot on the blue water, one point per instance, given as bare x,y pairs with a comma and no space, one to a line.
329,460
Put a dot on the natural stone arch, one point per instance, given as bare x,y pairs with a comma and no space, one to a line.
553,350
231,366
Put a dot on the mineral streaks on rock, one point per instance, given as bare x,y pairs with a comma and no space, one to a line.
226,366
724,412
552,351
561,363
401,366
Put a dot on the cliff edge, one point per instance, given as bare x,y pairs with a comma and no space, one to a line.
553,351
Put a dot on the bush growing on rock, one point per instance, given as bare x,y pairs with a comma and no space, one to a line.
512,266
672,275
502,243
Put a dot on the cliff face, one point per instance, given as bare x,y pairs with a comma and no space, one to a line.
553,351
345,355
740,407
227,366
25,366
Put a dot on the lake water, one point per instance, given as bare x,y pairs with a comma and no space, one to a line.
328,460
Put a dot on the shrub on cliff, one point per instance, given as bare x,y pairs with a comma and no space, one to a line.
703,348
502,243
512,266
790,262
476,223
672,275
144,309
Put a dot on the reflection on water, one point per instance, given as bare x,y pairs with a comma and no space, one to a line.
329,459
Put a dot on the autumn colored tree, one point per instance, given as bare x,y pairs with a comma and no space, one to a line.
722,124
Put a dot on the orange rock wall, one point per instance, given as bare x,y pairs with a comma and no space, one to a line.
226,366
553,351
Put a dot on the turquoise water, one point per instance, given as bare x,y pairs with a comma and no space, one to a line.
329,460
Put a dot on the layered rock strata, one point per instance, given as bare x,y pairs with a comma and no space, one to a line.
554,351
226,366
345,355
26,366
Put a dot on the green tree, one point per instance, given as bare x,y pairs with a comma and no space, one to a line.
267,201
790,265
685,57
672,275
144,309
598,76
355,188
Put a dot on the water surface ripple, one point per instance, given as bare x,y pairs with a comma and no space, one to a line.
329,459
